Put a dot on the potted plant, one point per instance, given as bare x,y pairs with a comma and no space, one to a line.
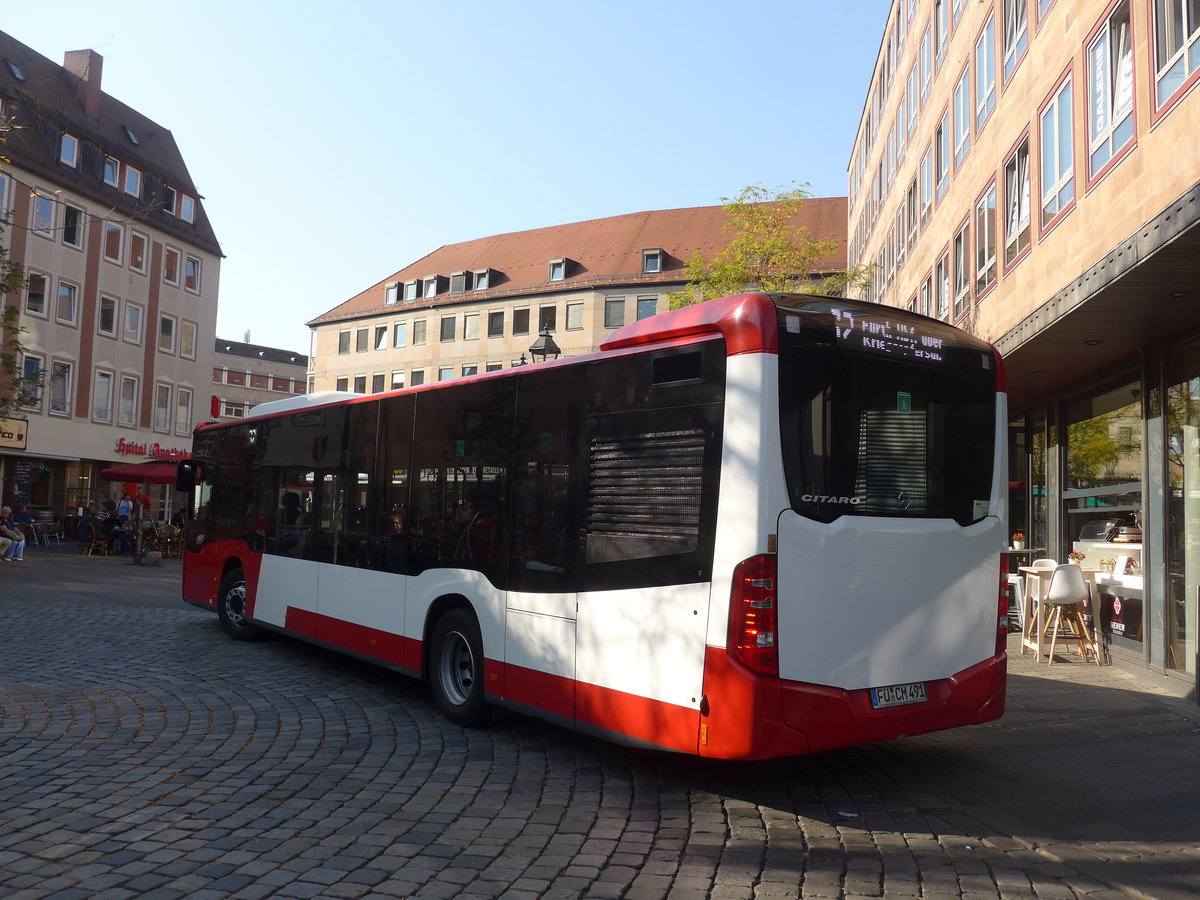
1018,540
1076,557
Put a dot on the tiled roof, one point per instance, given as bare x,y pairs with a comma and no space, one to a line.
257,351
603,252
48,101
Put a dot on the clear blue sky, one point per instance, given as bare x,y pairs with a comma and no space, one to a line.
335,144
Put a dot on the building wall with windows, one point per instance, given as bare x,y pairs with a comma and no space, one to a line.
478,306
120,308
1030,170
245,375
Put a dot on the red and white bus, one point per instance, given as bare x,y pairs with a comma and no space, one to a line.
756,527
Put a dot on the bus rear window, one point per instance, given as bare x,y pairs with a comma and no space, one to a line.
867,434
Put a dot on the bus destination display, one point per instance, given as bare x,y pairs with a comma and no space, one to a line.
905,340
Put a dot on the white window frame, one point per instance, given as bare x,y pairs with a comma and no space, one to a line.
116,315
614,312
131,184
38,366
135,316
79,225
986,244
962,270
163,407
42,212
1016,34
187,208
112,171
168,253
575,316
45,280
471,326
941,155
102,396
1016,203
381,337
941,285
643,305
985,72
926,185
191,274
62,376
68,150
114,228
1057,148
136,237
962,116
127,401
400,334
188,332
183,411
66,290
1110,91
1175,22
167,335
391,294
926,63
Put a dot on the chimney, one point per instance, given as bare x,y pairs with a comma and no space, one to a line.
247,340
87,66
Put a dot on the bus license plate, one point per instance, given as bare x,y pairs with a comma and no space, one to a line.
898,695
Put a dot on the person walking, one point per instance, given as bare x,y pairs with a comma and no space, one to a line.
15,552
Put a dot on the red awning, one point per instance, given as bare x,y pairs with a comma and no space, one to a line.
142,473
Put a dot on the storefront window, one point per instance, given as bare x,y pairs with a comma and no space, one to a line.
1183,509
1103,502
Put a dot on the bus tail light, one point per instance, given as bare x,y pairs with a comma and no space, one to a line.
1002,619
753,615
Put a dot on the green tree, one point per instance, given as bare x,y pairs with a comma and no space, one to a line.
767,251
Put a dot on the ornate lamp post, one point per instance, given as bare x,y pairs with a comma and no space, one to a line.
544,347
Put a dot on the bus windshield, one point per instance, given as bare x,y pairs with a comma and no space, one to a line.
883,413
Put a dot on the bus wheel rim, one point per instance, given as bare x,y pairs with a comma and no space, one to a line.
457,669
235,604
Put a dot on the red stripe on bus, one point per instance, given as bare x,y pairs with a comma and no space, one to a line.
393,649
653,721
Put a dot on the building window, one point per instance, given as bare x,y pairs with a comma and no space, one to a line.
962,271
652,261
218,375
68,295
187,339
162,407
1016,34
61,377
1176,46
381,337
1016,203
171,265
614,312
235,409
137,251
1057,172
391,294
127,408
343,343
72,231
412,290
377,383
400,334
417,376
471,327
191,274
419,332
941,282
187,208
31,371
445,373
235,378
108,317
360,384
646,307
133,323
927,297
114,241
342,384
574,316
280,385
35,294
68,151
430,286
112,172
448,329
470,370
482,279
397,380
102,396
170,198
166,334
258,382
558,269
133,181
547,318
43,215
962,117
985,73
1110,99
941,28
183,411
926,62
520,321
493,367
941,154
926,186
912,101
912,205
496,324
901,243
985,241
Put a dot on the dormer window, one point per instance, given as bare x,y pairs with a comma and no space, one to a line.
412,290
391,294
133,138
112,171
187,208
133,181
482,279
433,285
17,73
459,282
169,199
558,269
68,151
652,261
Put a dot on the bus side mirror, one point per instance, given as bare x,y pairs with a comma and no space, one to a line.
188,474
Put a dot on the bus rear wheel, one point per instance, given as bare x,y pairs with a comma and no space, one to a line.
456,668
231,608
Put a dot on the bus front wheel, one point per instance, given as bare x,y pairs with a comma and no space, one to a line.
231,608
456,668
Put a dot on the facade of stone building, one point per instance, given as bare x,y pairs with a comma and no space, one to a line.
245,375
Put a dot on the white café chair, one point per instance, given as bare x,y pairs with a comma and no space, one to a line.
1031,599
1065,596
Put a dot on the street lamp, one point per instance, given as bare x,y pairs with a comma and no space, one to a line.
544,347
519,362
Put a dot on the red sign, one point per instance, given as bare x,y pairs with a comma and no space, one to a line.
154,450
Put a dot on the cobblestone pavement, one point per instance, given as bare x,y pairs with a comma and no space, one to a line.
143,754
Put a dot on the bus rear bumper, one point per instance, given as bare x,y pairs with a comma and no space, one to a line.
751,717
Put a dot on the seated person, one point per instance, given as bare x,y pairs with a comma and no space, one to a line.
24,520
15,551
